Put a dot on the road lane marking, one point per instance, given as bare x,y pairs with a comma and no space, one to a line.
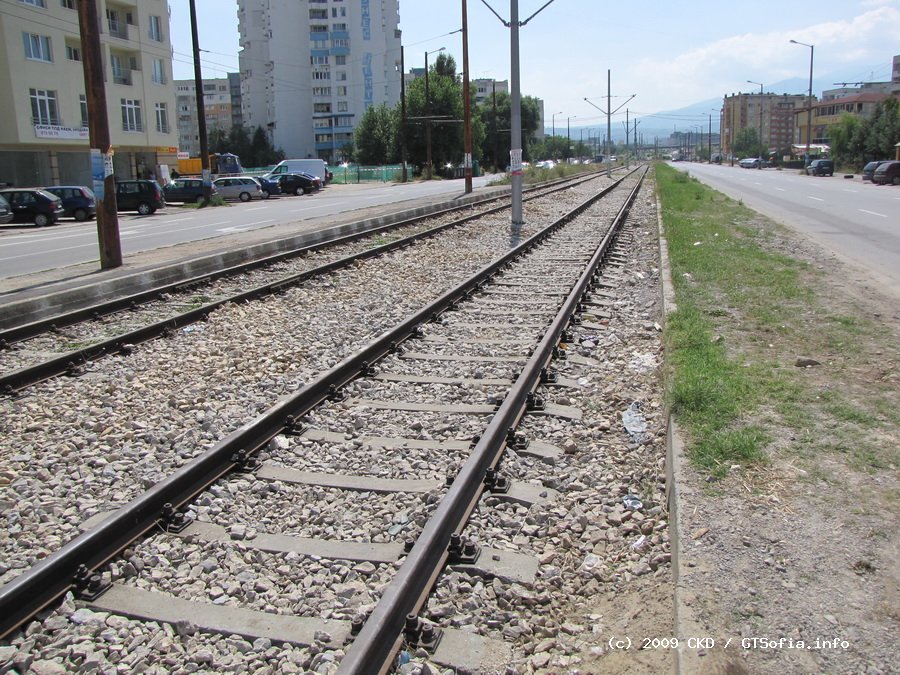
259,222
873,213
255,208
816,198
781,189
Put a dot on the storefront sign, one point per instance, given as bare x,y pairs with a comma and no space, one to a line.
56,131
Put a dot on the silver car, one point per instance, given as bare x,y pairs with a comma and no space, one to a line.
242,188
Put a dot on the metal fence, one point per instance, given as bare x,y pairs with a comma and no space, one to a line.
356,173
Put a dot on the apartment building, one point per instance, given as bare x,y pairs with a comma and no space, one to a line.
44,137
222,109
309,70
771,115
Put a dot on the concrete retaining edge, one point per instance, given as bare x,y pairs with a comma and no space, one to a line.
52,301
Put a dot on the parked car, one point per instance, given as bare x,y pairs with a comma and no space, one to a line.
749,163
820,167
33,205
184,190
269,185
295,184
239,187
6,214
869,169
887,173
314,167
78,201
317,182
143,196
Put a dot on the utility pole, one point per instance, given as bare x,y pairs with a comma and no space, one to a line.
496,131
627,139
467,112
98,130
403,114
201,110
608,121
515,118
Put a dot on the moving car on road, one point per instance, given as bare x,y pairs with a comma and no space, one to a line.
143,196
33,205
78,201
184,190
820,167
6,214
295,184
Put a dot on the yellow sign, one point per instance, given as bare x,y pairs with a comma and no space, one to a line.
172,150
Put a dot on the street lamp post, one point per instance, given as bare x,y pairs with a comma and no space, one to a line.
759,164
809,99
553,121
568,138
428,117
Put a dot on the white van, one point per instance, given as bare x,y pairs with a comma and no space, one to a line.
315,167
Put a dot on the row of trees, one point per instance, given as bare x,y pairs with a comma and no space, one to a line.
377,139
855,141
255,150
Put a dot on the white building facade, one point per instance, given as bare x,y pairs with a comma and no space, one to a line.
44,137
311,68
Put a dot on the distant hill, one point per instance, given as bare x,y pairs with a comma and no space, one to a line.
664,123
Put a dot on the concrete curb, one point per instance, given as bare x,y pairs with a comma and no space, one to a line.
28,305
685,659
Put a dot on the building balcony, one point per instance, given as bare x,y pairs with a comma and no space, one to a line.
123,76
118,29
339,51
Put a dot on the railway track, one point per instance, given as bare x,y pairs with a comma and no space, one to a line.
466,365
48,347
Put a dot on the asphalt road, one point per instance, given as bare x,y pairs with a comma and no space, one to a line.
26,249
857,221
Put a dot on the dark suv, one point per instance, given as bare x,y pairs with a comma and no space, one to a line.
820,167
143,196
185,190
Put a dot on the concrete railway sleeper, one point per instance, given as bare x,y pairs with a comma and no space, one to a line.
493,330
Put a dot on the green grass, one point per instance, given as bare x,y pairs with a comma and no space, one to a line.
745,313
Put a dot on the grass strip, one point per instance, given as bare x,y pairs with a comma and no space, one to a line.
746,312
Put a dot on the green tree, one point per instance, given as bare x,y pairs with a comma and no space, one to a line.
495,145
376,136
746,143
445,107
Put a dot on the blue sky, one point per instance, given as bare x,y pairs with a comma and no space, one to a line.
669,54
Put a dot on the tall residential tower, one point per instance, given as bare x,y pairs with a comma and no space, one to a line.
311,68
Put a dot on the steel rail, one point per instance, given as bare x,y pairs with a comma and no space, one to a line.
16,380
376,645
52,577
32,329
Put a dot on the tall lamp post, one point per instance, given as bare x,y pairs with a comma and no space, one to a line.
553,121
568,138
428,116
759,164
812,49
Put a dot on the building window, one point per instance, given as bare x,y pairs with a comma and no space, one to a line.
321,75
44,109
342,106
131,115
155,29
158,71
37,47
321,91
162,118
73,53
340,60
342,76
339,26
340,42
318,60
342,91
68,4
36,3
82,103
321,107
